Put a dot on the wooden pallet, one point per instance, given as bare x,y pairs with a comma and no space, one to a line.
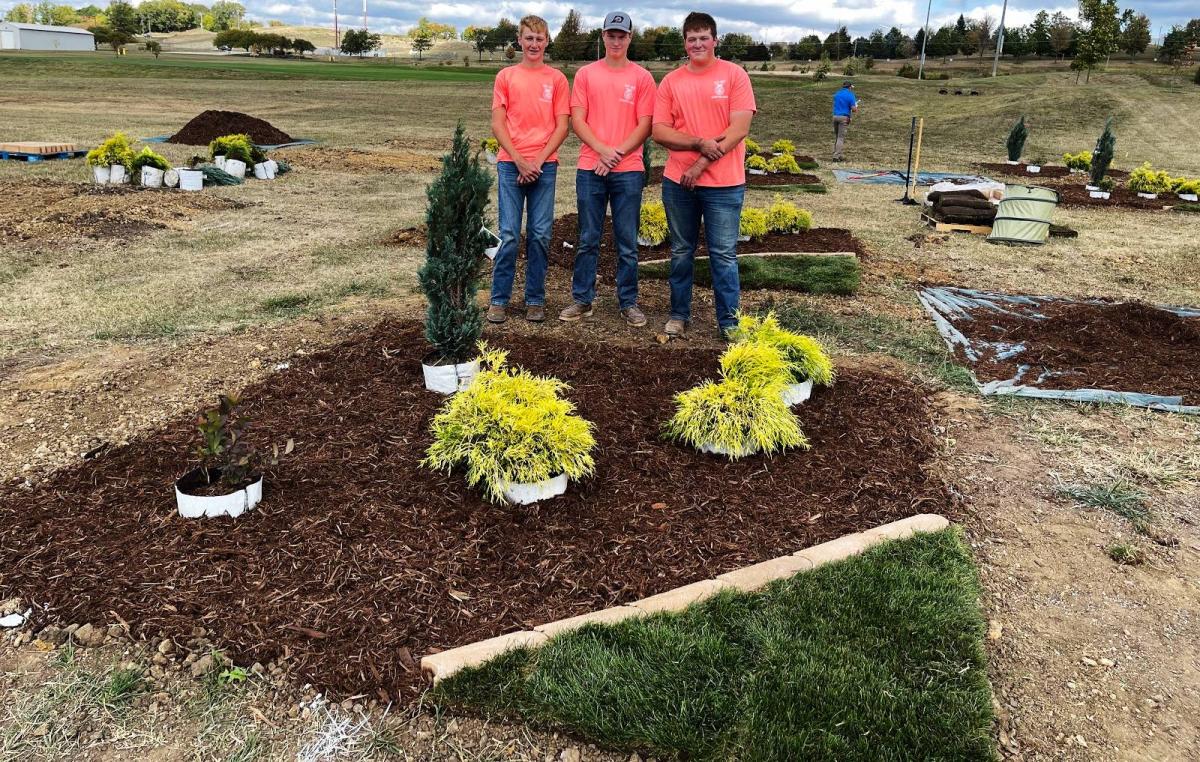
36,147
954,227
32,157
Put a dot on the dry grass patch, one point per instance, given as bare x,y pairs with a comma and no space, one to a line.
356,160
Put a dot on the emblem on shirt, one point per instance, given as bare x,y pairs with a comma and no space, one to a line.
547,92
719,89
627,97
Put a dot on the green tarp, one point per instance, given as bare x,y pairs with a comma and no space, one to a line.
1024,215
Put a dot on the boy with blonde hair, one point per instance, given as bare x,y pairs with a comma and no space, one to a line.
530,107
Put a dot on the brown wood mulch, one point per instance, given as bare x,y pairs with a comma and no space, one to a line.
359,561
656,177
1049,171
1070,194
209,125
1125,347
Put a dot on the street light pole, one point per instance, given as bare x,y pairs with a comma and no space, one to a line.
999,40
337,41
925,40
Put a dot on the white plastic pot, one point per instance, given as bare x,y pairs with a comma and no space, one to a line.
743,238
117,174
1099,194
235,168
794,394
1012,163
209,506
491,251
713,449
100,175
1033,169
272,168
1189,196
524,494
152,177
448,379
647,242
219,161
261,171
1091,187
492,158
1150,196
191,179
757,171
171,178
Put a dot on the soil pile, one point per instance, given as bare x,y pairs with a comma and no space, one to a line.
1127,347
210,125
359,561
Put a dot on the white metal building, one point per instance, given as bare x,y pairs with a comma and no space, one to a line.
15,36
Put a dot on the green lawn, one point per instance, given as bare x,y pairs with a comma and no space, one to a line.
878,657
808,273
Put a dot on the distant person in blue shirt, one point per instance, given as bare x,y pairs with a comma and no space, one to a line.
844,106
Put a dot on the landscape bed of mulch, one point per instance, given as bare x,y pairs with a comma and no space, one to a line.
46,212
1049,171
1077,195
754,181
209,125
359,561
1124,347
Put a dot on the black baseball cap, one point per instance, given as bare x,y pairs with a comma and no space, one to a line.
618,20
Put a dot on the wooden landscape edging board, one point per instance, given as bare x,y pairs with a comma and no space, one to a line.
441,665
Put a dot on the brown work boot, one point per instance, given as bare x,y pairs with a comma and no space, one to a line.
634,316
675,327
575,312
535,313
497,313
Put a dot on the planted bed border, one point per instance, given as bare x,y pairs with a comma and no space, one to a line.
764,254
442,665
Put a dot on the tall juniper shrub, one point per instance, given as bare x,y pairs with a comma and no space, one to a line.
450,275
1016,140
1103,155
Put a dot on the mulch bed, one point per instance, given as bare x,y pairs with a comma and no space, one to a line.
1077,195
656,177
359,561
209,125
566,230
1126,347
1049,171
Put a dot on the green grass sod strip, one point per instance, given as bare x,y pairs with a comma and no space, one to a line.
812,274
799,188
876,657
1188,207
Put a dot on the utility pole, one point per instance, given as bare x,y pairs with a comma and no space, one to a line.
365,14
925,40
999,40
337,41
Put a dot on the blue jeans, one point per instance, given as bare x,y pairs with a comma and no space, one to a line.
721,211
594,193
538,196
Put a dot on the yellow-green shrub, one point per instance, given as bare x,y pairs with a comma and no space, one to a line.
148,158
510,426
784,146
491,145
652,225
786,217
1145,179
805,357
237,147
752,147
753,222
114,150
785,163
1081,160
757,162
1185,185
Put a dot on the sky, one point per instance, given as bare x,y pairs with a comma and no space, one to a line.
766,20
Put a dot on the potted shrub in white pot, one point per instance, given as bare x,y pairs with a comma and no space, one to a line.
150,168
808,363
238,151
112,160
652,224
491,150
752,224
455,243
757,165
1016,141
1187,190
513,433
229,480
1148,183
742,414
1103,191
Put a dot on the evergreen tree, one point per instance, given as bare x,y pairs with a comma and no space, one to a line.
1174,47
1039,35
837,45
450,275
568,44
1103,155
1016,140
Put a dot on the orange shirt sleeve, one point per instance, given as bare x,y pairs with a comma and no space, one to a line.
646,96
500,91
579,92
562,96
664,104
741,98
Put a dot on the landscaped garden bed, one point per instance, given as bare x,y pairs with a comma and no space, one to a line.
778,181
1070,345
807,273
1048,171
359,560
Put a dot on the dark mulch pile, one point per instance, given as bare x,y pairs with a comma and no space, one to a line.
1077,195
210,125
816,240
1049,171
656,176
1126,347
359,561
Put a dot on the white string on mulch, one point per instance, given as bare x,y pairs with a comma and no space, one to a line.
947,304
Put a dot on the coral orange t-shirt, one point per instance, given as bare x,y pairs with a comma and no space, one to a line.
533,98
615,99
700,104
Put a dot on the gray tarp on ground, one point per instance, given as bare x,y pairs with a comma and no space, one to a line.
1024,215
947,305
897,177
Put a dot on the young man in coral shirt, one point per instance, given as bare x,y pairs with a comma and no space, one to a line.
611,105
702,116
530,107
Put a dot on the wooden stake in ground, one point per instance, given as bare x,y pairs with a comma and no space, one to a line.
915,177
